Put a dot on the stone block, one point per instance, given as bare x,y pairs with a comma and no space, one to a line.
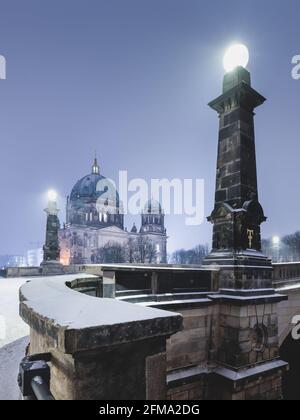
266,387
253,393
251,310
193,322
277,382
245,335
268,309
240,396
244,323
156,376
179,396
232,321
225,309
246,347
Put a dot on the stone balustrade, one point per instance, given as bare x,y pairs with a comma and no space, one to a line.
101,348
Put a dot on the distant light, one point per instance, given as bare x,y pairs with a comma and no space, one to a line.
276,240
52,195
236,55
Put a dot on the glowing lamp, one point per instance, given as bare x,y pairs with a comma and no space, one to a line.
236,55
52,195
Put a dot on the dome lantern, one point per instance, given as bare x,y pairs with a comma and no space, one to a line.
96,167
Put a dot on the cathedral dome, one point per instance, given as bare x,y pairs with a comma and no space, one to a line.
94,201
93,186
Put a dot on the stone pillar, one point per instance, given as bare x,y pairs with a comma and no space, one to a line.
154,282
109,284
51,263
102,349
248,347
237,214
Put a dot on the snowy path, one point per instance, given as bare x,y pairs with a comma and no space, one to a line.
12,345
11,325
10,358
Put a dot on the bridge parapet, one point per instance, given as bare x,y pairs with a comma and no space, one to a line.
286,273
133,347
101,348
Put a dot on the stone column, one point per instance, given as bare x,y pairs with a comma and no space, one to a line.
154,283
238,214
51,263
109,284
248,347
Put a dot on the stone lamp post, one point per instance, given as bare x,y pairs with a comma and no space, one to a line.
51,263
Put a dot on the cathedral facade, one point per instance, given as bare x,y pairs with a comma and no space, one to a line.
94,231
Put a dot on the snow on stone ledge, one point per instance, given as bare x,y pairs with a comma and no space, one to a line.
76,321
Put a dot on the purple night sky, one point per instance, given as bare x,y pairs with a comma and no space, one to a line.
132,79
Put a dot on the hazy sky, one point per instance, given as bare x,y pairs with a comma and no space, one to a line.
132,79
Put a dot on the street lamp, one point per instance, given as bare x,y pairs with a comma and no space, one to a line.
236,55
52,202
52,195
51,261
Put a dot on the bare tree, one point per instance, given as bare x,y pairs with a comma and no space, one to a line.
151,253
287,250
190,256
179,257
146,250
110,253
132,251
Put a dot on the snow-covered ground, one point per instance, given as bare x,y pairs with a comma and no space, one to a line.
12,341
11,325
10,358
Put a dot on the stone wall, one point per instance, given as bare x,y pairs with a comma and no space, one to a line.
193,345
248,334
227,350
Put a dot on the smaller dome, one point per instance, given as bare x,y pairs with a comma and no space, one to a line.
152,207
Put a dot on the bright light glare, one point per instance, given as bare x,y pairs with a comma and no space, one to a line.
52,195
276,240
236,55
